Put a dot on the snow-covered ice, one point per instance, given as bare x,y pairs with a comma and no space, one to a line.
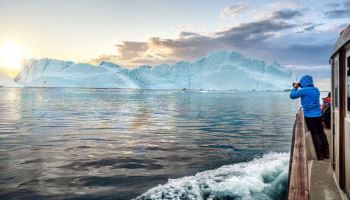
217,71
56,73
7,81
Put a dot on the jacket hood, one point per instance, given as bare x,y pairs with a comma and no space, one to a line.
306,81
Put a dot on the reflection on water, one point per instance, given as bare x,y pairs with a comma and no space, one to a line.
117,144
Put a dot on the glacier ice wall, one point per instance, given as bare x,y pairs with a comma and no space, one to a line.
7,81
217,71
56,73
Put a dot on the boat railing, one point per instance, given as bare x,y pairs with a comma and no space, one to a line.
298,187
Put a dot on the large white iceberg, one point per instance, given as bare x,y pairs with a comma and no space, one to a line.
7,81
217,71
56,73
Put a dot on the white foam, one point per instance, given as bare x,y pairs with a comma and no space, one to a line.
262,178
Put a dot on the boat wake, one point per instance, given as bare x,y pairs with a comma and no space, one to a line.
261,178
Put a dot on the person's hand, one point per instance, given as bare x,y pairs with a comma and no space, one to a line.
296,85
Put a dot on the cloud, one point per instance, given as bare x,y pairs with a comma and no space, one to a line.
278,36
192,45
286,14
185,34
308,27
301,53
233,10
338,11
128,52
249,34
129,49
101,58
245,36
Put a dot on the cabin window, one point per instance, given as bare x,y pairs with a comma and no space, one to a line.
335,83
348,81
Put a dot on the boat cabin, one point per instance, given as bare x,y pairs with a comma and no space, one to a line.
340,118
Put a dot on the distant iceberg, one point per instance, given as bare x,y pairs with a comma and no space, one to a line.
7,81
217,71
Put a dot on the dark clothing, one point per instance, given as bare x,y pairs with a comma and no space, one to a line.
326,111
315,126
327,117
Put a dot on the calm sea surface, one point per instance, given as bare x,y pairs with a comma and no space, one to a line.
118,144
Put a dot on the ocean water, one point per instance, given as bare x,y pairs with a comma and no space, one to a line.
66,143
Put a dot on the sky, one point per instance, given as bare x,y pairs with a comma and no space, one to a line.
297,34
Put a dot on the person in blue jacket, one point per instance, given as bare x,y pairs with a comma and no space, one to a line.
310,101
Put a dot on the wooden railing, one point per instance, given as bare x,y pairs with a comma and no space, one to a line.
298,172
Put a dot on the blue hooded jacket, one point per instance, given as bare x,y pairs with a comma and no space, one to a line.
310,97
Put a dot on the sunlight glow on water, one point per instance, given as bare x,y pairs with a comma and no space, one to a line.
117,144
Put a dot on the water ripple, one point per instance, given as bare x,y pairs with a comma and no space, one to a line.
66,143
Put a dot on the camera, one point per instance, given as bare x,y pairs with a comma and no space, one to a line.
296,84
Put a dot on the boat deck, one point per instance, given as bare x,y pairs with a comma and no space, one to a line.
322,182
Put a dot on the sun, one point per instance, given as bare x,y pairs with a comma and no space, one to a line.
11,55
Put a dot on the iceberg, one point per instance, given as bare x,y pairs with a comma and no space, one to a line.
56,73
7,81
217,71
